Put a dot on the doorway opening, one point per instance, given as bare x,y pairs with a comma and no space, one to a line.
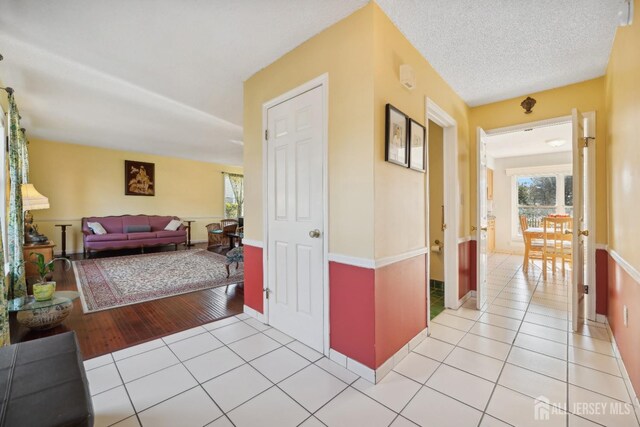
436,219
442,211
536,197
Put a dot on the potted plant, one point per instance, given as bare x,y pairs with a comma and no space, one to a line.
43,290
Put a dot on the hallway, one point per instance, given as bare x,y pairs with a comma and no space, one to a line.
478,368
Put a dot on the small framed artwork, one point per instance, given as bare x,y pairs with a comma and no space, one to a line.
396,150
139,178
417,152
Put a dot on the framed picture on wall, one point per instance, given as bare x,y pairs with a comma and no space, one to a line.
396,150
139,178
417,146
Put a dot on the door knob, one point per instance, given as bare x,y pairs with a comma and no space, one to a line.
314,234
483,228
474,228
585,233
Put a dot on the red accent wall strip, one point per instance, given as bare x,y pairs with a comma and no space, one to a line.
602,279
473,264
623,289
253,279
400,305
466,267
351,312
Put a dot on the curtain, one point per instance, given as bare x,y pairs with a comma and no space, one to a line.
237,186
18,169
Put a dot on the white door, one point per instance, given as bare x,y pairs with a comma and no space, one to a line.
579,217
481,232
295,217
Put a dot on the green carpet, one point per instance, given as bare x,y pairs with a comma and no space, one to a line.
436,298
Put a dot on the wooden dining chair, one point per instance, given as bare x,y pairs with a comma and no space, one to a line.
533,248
557,240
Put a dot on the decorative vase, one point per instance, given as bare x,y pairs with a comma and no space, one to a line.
44,291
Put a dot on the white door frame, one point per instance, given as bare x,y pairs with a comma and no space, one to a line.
591,166
323,82
451,193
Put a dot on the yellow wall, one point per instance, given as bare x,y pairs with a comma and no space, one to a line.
586,96
400,218
623,139
436,198
345,52
86,181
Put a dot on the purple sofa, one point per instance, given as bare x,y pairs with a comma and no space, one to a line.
119,237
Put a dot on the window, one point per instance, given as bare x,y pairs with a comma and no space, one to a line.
233,195
538,194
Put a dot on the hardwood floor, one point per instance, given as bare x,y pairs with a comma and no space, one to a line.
111,330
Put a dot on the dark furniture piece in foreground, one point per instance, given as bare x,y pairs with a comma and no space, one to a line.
43,384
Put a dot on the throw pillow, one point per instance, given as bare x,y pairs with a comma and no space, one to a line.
96,227
136,228
173,225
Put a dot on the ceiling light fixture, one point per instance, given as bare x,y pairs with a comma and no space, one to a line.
555,143
528,104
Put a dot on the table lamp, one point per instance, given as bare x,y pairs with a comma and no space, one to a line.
32,200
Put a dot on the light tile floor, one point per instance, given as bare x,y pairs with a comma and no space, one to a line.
478,368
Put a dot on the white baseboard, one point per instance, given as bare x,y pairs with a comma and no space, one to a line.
625,375
470,294
251,242
375,375
255,314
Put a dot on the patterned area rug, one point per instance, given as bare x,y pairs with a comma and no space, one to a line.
106,283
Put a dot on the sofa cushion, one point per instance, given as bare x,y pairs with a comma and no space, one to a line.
97,228
141,236
177,233
110,237
136,228
158,223
173,225
113,224
134,220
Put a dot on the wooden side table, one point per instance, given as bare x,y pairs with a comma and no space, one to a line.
188,244
64,238
45,249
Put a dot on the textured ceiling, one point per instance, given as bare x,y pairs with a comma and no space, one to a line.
529,142
491,50
165,76
157,76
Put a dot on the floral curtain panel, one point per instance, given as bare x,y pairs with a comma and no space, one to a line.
18,170
237,186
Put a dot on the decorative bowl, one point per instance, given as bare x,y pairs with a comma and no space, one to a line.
44,291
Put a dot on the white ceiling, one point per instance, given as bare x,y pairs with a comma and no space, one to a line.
529,142
491,50
156,76
165,76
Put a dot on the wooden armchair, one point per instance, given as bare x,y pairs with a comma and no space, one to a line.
213,238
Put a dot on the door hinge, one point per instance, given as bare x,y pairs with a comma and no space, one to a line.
266,134
586,140
267,291
586,289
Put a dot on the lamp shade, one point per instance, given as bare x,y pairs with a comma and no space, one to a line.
32,200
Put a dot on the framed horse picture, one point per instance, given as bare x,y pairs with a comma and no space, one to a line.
139,178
